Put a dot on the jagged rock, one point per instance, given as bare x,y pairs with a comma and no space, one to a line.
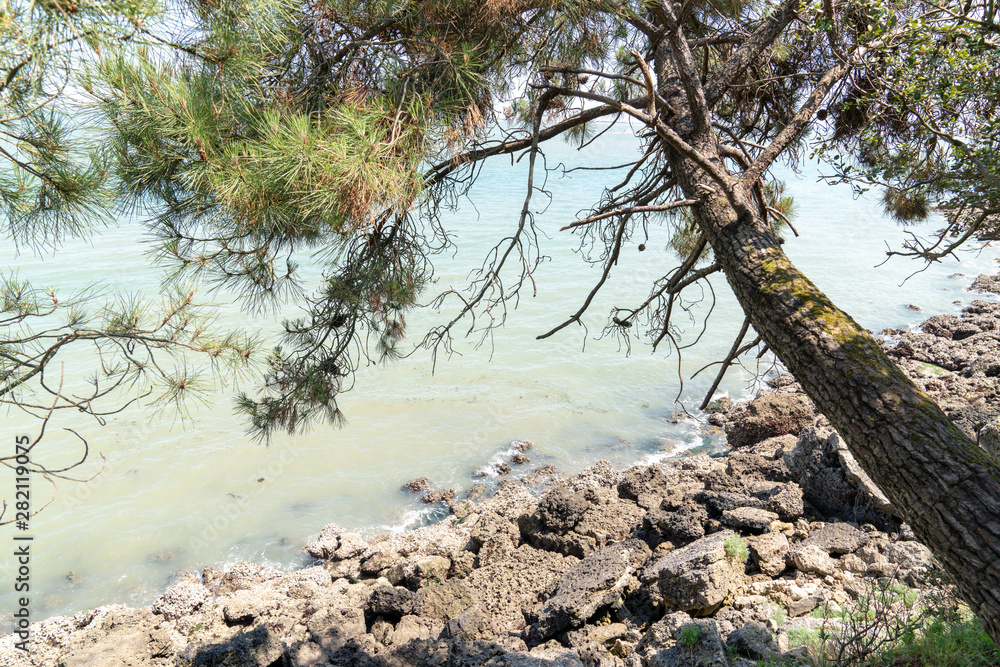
521,445
768,416
680,526
418,569
417,485
783,499
520,459
413,628
813,559
244,576
182,598
443,601
473,623
490,525
696,642
909,555
327,542
596,581
331,629
645,485
837,538
753,640
577,523
817,464
502,468
508,587
257,646
698,577
802,606
768,551
718,502
989,437
986,283
431,497
392,601
749,518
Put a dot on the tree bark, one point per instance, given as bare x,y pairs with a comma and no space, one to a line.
942,483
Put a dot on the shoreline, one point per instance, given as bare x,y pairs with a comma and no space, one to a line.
431,591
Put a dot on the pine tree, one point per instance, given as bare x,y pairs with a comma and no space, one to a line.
348,126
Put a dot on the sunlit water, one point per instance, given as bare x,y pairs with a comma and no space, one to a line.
177,496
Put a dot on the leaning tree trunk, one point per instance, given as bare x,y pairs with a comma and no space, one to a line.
942,484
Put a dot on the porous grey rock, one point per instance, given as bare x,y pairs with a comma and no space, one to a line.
909,555
680,526
443,601
698,577
417,485
768,551
753,640
182,598
768,416
508,587
812,559
678,644
392,601
596,581
837,538
749,518
244,576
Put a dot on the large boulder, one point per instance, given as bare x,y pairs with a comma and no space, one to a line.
596,581
698,578
832,481
768,551
769,416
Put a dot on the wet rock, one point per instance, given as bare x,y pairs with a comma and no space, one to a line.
417,485
182,598
327,542
720,405
769,416
521,445
596,581
520,459
431,497
698,577
502,468
986,283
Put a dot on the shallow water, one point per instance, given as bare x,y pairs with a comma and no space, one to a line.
178,496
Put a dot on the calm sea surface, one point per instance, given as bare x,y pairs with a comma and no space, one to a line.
179,495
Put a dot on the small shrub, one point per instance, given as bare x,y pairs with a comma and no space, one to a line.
690,634
736,549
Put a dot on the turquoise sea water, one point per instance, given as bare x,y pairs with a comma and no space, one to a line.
174,496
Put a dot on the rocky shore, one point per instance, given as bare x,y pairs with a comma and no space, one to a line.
721,561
